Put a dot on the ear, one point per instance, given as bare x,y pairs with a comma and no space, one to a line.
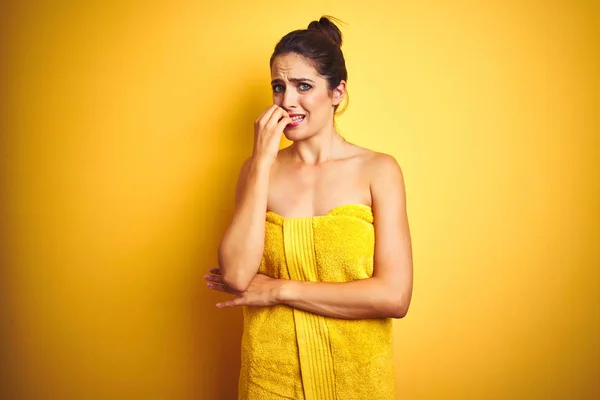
339,93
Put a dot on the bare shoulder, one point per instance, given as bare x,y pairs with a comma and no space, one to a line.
386,181
381,166
377,167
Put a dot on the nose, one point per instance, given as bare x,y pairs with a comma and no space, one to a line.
289,100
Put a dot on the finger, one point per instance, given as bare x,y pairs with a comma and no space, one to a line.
216,271
285,115
276,116
264,113
222,288
240,301
283,123
214,278
218,288
264,117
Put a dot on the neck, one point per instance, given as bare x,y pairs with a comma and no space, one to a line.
324,146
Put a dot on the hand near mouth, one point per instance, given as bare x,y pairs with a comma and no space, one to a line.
268,129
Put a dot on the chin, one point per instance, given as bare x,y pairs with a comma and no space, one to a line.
294,135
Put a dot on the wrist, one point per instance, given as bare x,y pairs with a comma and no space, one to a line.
258,163
284,292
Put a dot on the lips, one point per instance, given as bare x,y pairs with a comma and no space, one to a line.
296,120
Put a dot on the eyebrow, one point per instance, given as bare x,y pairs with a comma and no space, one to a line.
293,80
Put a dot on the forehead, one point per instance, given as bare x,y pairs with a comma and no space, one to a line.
292,66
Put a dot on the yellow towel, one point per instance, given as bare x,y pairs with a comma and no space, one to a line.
288,353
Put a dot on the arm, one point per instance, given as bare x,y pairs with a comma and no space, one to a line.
365,298
241,248
386,294
242,245
389,291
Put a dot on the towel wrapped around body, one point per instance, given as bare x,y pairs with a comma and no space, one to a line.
289,353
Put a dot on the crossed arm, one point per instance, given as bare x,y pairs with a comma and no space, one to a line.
386,294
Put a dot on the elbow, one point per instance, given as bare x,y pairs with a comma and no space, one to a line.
398,307
232,278
236,282
399,311
235,270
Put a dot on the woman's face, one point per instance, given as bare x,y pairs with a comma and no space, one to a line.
298,89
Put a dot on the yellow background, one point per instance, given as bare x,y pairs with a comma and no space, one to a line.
123,128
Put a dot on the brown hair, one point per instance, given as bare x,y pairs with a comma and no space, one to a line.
320,44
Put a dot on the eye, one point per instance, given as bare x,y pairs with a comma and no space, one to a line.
304,87
278,88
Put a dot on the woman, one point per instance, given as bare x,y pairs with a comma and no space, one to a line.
318,249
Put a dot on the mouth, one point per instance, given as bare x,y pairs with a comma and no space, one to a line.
296,120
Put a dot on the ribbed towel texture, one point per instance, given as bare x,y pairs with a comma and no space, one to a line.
288,353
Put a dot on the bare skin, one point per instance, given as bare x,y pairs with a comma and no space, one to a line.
300,189
318,172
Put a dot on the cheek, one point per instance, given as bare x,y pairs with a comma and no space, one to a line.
315,103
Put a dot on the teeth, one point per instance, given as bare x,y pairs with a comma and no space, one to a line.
297,118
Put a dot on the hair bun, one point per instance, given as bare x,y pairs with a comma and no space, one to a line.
327,28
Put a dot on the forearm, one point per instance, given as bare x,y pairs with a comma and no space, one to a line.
360,299
241,248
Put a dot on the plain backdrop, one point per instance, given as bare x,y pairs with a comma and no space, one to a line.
124,125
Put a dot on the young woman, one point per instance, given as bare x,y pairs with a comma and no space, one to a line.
318,250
